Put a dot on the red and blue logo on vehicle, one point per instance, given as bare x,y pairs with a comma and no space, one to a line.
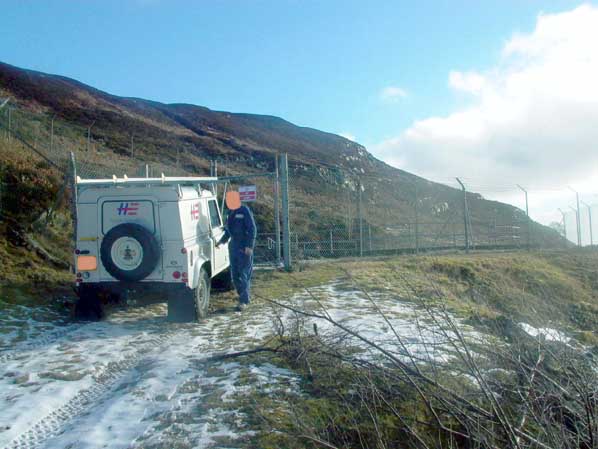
195,211
128,209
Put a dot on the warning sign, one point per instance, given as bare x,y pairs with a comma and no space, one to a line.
248,193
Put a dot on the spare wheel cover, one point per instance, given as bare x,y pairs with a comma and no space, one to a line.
129,252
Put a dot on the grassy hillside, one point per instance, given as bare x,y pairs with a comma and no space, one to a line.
35,252
326,170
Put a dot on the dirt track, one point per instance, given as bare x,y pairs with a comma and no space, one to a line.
137,381
133,380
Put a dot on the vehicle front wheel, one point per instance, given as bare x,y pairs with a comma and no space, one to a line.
202,295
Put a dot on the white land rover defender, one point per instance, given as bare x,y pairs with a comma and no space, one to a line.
138,234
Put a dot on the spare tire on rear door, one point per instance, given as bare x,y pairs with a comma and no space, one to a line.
129,252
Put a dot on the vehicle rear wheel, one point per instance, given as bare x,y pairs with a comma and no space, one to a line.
202,295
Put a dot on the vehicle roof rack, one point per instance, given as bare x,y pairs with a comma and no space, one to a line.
163,180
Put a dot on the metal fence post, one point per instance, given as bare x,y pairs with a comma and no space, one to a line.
416,221
590,222
74,196
529,234
577,217
564,226
52,133
286,227
465,215
89,135
360,221
331,245
454,235
213,174
9,123
577,227
494,231
277,209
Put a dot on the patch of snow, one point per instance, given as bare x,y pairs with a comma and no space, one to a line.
416,336
547,333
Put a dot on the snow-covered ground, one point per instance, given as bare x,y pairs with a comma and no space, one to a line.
547,333
400,327
131,381
136,380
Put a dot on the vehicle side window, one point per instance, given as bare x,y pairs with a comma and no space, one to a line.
214,214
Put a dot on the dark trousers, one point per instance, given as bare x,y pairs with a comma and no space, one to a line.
241,268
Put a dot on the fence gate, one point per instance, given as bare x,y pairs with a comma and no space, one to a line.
269,204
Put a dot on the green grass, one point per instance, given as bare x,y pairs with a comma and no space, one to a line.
539,288
555,289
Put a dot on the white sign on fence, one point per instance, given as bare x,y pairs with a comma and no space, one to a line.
248,193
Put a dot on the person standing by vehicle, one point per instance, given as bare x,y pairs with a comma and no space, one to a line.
241,230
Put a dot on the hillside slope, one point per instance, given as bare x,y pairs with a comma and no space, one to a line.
326,169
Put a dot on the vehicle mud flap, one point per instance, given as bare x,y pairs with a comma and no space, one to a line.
181,306
223,282
89,306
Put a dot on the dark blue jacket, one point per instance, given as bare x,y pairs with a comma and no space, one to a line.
240,225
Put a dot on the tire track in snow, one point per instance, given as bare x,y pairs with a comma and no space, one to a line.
45,339
222,333
54,423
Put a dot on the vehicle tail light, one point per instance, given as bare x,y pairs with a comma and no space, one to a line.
87,263
176,274
184,275
184,251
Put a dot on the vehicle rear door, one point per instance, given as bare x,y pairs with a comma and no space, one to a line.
141,210
220,255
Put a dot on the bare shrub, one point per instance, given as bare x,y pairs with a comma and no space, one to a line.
504,391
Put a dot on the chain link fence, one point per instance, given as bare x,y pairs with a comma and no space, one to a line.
338,212
335,210
54,139
50,139
580,228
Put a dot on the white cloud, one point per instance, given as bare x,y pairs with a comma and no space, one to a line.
532,119
392,94
348,136
468,82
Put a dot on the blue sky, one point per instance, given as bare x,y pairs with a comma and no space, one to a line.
321,64
497,92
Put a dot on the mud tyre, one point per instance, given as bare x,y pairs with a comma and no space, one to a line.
202,296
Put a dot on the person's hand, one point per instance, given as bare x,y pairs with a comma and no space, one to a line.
248,251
